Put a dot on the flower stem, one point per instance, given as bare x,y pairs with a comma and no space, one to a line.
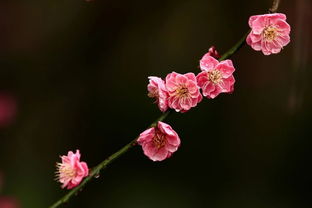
235,48
97,169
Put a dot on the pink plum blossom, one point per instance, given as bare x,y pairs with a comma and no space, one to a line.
183,91
1,180
269,33
8,108
213,52
216,77
8,202
157,89
159,142
71,171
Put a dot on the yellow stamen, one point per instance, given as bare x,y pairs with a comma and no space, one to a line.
182,91
215,76
159,140
65,170
153,94
269,33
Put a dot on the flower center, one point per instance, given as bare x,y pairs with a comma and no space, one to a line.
215,76
66,171
159,140
182,91
152,94
269,33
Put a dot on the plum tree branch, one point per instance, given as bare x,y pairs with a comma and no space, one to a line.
97,169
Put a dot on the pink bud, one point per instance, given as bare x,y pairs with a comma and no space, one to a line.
8,202
157,89
8,108
213,52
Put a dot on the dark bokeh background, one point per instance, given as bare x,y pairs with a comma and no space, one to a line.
78,73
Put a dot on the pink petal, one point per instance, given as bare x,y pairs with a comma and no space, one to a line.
259,24
160,155
257,46
191,76
208,63
226,69
202,78
174,140
173,102
252,19
216,92
166,129
255,38
283,40
172,75
227,84
186,103
181,79
146,136
282,26
149,149
208,88
273,18
248,39
85,168
171,148
192,87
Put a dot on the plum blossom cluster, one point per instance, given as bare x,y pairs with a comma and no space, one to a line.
71,171
182,92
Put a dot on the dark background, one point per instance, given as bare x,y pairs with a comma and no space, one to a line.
78,71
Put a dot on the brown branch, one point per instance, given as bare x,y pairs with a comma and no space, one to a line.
274,7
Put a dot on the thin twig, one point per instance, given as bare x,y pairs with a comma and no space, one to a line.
235,48
274,7
97,169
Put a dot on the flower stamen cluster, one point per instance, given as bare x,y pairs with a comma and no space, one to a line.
182,91
159,139
215,76
270,33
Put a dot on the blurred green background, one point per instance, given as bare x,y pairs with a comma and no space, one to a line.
78,73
